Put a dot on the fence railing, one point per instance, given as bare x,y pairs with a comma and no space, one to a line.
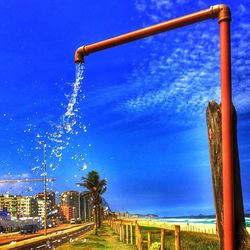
130,230
186,227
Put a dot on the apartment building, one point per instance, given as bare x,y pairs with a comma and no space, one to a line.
19,206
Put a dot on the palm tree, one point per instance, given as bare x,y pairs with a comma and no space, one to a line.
96,188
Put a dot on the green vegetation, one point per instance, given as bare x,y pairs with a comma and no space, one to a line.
106,240
189,240
96,188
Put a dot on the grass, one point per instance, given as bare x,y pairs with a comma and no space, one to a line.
106,240
189,240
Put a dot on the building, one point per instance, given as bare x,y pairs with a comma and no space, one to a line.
69,212
70,204
40,205
27,206
85,207
76,205
50,202
19,206
10,202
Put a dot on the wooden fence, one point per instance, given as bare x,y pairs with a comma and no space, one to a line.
130,230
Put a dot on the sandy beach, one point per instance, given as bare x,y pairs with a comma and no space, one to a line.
190,227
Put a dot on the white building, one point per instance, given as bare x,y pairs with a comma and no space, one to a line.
19,206
40,204
27,206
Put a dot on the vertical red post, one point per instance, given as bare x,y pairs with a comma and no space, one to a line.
227,159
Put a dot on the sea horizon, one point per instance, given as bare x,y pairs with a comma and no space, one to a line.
195,219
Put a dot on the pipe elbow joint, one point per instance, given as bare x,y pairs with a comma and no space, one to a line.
222,11
79,54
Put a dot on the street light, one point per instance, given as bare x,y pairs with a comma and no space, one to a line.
45,185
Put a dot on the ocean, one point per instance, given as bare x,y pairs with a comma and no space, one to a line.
203,220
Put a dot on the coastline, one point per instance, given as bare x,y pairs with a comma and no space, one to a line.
188,225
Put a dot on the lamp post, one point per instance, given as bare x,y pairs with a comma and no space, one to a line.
44,185
79,205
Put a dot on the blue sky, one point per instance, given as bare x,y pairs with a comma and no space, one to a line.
138,115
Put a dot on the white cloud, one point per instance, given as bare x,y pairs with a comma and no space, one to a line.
241,9
179,72
186,75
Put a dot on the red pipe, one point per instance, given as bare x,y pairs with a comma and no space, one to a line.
199,16
223,13
227,159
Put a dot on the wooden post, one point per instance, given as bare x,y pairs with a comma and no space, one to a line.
139,240
149,240
120,231
131,234
123,233
127,236
136,237
162,238
177,238
136,234
213,115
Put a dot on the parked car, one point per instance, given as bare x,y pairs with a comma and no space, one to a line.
2,229
78,221
33,228
72,221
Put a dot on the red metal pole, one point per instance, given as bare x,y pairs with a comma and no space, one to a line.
227,158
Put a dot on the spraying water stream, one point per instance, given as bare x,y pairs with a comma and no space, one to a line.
61,136
61,129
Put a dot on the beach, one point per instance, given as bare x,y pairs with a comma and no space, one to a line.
203,225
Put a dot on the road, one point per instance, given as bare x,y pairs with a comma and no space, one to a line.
52,240
12,237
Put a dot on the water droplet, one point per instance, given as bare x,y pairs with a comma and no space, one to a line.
84,167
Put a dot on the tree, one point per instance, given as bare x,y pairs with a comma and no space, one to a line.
96,187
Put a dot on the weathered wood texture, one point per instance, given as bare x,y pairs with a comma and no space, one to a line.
131,234
242,236
127,236
163,235
177,237
149,239
213,115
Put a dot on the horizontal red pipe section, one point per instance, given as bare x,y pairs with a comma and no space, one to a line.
149,31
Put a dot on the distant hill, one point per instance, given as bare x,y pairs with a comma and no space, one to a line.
152,216
105,204
200,216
